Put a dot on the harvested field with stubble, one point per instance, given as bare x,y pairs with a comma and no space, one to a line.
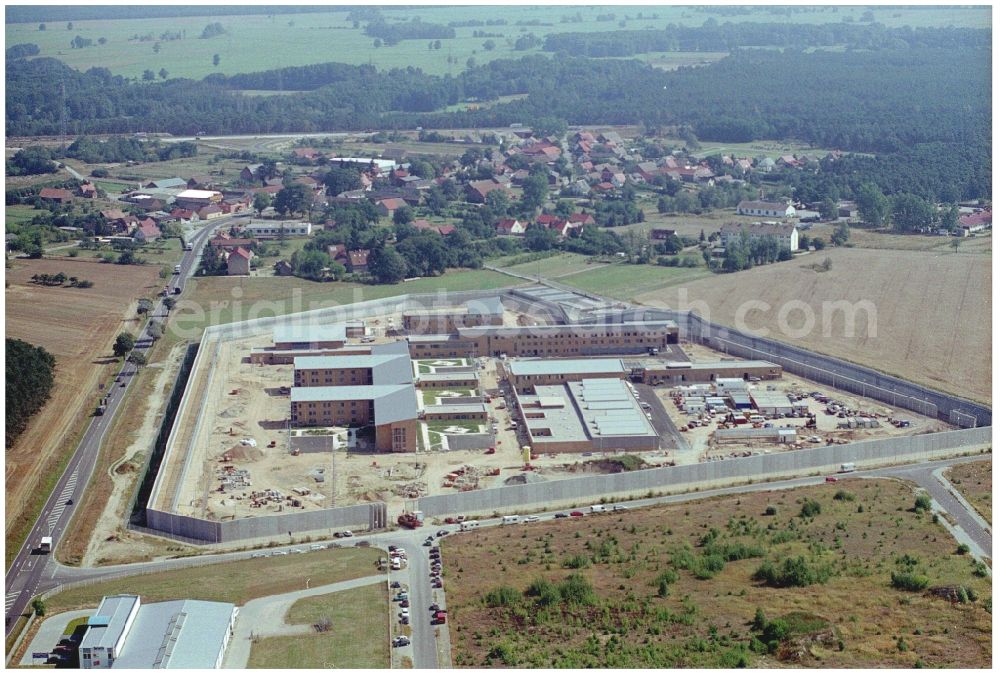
77,326
793,578
933,318
975,481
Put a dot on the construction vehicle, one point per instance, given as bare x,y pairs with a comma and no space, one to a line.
408,520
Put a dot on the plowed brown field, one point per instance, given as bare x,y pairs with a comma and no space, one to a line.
78,327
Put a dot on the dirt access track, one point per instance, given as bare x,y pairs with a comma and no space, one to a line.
78,326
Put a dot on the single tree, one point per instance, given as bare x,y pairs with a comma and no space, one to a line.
38,606
261,201
41,26
840,235
148,75
123,344
163,73
156,47
873,206
215,59
955,243
402,215
386,265
138,359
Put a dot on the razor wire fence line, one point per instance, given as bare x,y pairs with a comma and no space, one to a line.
688,476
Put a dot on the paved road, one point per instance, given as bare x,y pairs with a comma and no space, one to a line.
664,426
265,617
425,643
31,572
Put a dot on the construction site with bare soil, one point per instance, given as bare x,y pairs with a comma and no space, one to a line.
277,423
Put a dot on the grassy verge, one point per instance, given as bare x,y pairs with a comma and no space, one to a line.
624,281
809,577
358,636
235,582
975,481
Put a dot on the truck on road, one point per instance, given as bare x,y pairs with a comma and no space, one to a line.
847,468
45,546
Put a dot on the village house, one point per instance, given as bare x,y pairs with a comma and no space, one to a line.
510,227
581,219
87,191
238,262
786,234
765,208
357,260
201,182
283,268
146,231
476,190
57,195
659,234
210,212
387,207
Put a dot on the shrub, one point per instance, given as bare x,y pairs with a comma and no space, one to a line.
909,581
962,549
810,509
576,590
771,511
576,562
922,503
843,496
792,572
502,596
546,592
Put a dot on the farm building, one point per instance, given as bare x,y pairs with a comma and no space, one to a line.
590,415
272,230
764,208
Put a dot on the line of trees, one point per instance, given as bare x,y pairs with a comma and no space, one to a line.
30,375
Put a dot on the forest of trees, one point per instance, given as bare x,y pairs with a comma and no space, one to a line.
930,102
715,37
392,33
29,383
22,50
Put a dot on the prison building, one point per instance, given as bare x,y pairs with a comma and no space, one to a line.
524,375
483,312
449,380
390,408
724,386
682,372
456,411
590,415
107,630
572,339
440,346
342,371
269,356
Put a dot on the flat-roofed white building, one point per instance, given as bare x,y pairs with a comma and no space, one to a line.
263,229
107,630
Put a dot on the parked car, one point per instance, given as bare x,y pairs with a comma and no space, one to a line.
441,533
404,603
281,553
560,515
576,514
435,607
831,479
620,507
401,641
346,533
258,555
531,519
395,584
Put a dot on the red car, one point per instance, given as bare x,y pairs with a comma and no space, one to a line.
576,514
831,479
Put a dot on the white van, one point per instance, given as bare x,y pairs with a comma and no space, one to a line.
756,419
469,525
510,520
847,468
597,508
177,269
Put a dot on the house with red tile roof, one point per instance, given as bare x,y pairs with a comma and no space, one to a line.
510,227
387,207
87,190
238,262
146,231
477,190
